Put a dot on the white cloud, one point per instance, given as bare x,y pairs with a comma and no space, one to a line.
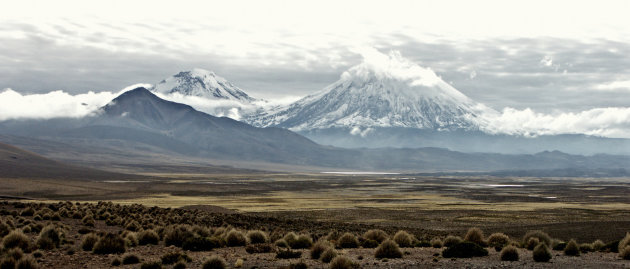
615,85
607,122
546,61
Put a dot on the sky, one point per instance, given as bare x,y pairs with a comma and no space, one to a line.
551,57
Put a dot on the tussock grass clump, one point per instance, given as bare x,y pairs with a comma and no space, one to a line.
88,220
151,265
148,237
452,240
288,254
476,236
348,240
202,243
15,253
542,253
259,248
281,243
558,245
625,253
586,247
49,238
624,243
214,262
436,243
176,235
298,265
572,249
498,241
27,212
4,229
130,259
328,255
369,243
173,257
180,265
465,249
302,241
403,239
388,249
133,226
540,235
235,238
116,262
509,253
532,243
257,237
342,262
598,245
319,247
131,239
89,240
376,235
8,263
27,262
16,239
109,244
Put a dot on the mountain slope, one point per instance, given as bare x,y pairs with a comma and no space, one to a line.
389,91
202,83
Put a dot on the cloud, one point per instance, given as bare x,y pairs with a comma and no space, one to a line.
606,122
615,85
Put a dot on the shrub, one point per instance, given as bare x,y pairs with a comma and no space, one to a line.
288,254
27,263
452,240
586,247
4,229
235,239
148,237
298,265
558,245
542,253
109,244
388,249
8,263
302,241
348,240
625,253
132,226
612,246
572,249
88,220
173,257
151,265
475,235
130,259
369,243
403,239
176,235
88,242
436,243
259,248
532,243
281,243
509,253
16,239
116,262
342,262
376,235
257,237
131,239
498,240
422,244
624,242
214,262
540,235
179,265
319,248
464,249
15,253
328,255
598,245
202,243
27,212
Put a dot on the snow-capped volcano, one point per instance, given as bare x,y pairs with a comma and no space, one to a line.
383,91
202,83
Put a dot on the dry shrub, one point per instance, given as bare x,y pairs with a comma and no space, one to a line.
328,255
540,235
532,243
130,259
257,237
542,253
452,240
572,249
109,244
625,253
476,236
509,253
259,248
151,265
342,262
598,245
348,240
376,235
235,239
465,249
288,254
388,249
319,248
176,235
89,240
8,263
173,257
148,237
498,240
436,243
624,243
403,239
27,262
16,239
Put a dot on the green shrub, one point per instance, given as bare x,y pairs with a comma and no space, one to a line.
376,235
476,236
451,240
542,253
319,248
27,263
498,241
257,237
509,253
572,249
328,255
89,240
436,243
202,243
342,262
288,254
235,239
625,253
148,237
403,239
464,249
151,265
109,244
16,239
388,249
130,259
348,240
173,257
540,235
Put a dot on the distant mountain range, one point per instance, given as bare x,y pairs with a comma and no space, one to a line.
138,126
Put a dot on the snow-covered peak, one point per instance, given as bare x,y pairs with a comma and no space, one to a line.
202,83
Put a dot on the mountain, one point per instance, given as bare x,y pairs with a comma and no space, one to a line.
393,92
202,83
